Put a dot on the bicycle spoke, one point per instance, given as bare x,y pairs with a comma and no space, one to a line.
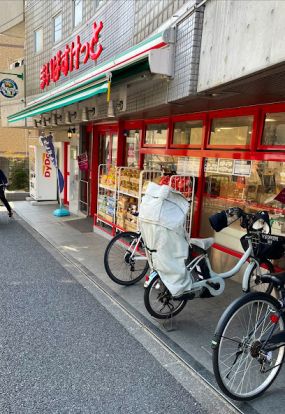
244,367
162,301
121,256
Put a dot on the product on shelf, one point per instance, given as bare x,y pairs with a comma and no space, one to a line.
109,179
151,180
107,206
182,184
129,181
127,212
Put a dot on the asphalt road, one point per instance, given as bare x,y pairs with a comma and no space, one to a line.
62,351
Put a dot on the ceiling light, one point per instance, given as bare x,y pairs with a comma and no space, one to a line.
70,132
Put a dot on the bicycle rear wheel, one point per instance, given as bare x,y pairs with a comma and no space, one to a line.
159,301
125,260
244,370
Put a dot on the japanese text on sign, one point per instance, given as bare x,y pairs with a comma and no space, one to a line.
242,167
67,61
188,166
83,161
226,166
211,165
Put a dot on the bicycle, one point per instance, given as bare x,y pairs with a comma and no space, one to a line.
205,282
248,344
126,258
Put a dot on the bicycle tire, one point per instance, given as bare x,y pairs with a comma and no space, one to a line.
164,297
123,272
245,350
255,285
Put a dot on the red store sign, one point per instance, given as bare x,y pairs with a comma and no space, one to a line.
67,61
47,166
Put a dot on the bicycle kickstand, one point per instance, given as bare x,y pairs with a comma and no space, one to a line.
168,324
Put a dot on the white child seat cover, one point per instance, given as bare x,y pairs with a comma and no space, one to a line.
162,217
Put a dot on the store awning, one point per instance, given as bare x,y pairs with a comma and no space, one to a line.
60,103
80,88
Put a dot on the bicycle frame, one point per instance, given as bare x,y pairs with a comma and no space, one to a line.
215,278
218,277
134,247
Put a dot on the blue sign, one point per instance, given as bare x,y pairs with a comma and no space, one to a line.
8,88
50,150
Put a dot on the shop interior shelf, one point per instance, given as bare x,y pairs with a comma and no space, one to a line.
107,188
129,194
248,204
104,220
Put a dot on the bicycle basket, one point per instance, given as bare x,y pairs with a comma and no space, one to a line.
266,246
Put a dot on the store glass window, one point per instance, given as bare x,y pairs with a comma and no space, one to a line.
274,129
156,134
187,133
114,150
186,168
57,27
231,131
250,185
132,148
160,162
77,12
172,165
38,38
108,148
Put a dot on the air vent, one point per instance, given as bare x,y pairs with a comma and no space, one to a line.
17,64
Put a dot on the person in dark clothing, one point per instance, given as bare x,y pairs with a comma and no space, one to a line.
3,185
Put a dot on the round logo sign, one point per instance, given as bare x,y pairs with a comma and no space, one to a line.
8,88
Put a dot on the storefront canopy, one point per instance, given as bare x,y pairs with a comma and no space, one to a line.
155,49
60,102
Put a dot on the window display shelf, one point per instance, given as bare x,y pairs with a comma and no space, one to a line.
128,194
118,204
105,217
106,187
244,203
128,198
107,194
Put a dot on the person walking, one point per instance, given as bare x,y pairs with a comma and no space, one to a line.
3,185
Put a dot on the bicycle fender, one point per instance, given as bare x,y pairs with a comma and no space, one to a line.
151,276
245,279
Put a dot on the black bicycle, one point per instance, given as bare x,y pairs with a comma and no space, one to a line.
249,342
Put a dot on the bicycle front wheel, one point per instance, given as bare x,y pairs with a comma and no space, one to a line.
243,369
125,260
255,284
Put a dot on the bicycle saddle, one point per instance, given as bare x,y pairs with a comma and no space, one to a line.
204,244
278,279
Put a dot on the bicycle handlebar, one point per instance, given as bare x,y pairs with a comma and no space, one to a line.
258,221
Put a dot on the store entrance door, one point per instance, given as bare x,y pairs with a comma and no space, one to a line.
85,161
108,147
73,179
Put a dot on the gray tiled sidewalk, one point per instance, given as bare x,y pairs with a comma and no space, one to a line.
192,329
